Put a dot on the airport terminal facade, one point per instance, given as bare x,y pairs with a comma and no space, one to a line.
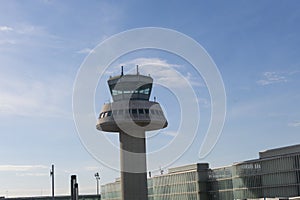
275,174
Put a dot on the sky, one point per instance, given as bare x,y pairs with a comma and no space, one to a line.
255,45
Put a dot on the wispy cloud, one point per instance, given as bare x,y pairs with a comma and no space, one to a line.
30,35
7,41
27,97
32,174
33,30
6,28
294,123
21,168
170,133
150,61
86,51
165,72
91,168
272,77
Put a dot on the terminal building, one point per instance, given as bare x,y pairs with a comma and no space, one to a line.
274,175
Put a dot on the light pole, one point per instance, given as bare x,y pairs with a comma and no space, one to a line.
52,176
97,176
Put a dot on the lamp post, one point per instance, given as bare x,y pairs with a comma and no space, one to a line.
97,176
52,176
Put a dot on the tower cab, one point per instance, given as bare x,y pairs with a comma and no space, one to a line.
130,87
131,104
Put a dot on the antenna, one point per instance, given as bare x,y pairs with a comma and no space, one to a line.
122,71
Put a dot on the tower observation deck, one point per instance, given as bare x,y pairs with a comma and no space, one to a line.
131,114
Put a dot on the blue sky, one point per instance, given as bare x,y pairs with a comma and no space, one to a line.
255,45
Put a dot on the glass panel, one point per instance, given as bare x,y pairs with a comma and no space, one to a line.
146,91
114,92
141,111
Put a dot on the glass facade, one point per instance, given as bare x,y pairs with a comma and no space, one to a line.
220,183
175,186
180,183
111,191
80,197
276,175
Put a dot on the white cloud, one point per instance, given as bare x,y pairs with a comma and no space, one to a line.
170,133
164,72
272,77
28,29
149,61
32,174
30,35
8,41
91,168
21,168
27,97
6,28
86,51
71,171
294,124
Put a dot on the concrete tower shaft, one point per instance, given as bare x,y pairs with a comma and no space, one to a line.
132,114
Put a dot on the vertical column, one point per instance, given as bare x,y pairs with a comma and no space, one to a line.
133,166
74,188
202,170
52,176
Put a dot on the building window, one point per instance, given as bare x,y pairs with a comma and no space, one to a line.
146,91
114,112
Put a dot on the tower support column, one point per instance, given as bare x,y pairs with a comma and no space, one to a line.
133,165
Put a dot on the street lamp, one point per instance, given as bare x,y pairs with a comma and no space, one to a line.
97,176
52,175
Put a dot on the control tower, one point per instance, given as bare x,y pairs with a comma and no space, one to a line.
131,114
